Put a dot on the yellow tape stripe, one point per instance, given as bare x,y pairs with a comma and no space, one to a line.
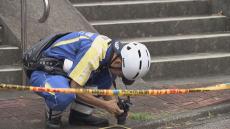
47,85
70,41
151,92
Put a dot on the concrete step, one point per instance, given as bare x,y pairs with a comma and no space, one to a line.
1,34
185,44
114,10
190,65
191,82
10,55
10,74
162,26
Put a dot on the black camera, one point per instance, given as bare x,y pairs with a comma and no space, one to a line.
123,104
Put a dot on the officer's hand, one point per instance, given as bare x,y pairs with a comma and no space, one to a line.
111,107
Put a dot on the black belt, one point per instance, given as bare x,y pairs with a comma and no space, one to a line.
52,66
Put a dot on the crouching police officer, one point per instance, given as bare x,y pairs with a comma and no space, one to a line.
84,60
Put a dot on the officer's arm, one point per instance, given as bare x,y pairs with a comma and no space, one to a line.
107,98
110,106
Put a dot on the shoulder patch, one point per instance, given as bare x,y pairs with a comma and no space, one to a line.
107,39
89,34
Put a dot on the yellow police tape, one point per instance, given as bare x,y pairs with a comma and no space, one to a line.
150,92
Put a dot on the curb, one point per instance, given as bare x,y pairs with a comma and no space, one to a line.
219,108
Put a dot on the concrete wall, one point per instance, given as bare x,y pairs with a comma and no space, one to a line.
221,6
8,35
63,18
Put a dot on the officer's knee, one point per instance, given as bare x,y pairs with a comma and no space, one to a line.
63,100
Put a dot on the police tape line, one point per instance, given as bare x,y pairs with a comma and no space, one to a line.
151,92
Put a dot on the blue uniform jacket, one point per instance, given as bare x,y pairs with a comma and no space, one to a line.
88,51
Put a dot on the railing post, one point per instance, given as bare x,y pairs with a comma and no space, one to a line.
23,32
23,24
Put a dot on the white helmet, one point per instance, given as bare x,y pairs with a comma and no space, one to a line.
135,60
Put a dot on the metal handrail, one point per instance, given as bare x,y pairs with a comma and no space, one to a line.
46,11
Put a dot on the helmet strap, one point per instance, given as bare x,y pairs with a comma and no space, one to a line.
114,59
117,68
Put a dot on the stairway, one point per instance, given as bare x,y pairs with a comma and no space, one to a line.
10,60
184,38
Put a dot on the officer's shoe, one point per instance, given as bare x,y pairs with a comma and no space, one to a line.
78,118
53,121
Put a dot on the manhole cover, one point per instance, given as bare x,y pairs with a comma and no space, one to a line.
115,127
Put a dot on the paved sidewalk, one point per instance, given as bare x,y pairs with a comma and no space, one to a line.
24,110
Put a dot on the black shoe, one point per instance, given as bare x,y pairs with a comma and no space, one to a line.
53,121
78,118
